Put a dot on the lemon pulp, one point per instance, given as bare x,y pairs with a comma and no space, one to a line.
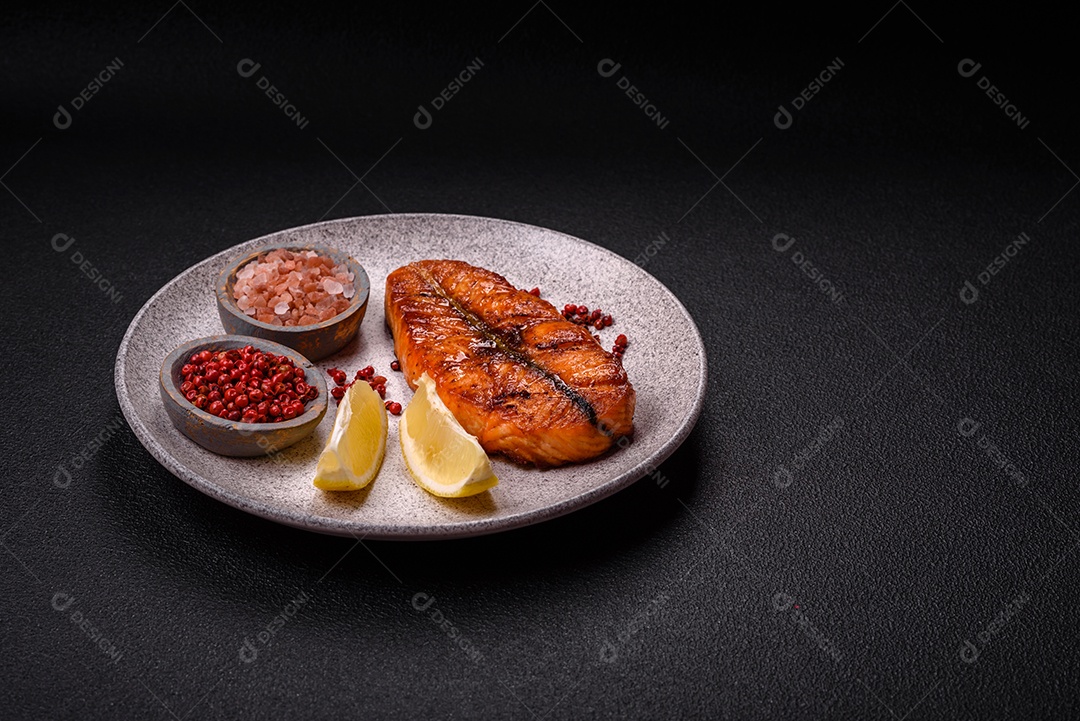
357,444
441,456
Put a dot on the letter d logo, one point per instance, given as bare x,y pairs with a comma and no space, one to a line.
247,67
62,119
422,119
967,427
969,293
607,67
62,601
248,652
422,602
782,241
782,119
61,479
782,477
608,653
971,65
969,653
65,242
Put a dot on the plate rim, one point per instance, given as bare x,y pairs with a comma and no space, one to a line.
399,532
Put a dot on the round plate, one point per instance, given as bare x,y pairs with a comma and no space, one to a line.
665,363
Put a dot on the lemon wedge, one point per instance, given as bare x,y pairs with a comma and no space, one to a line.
442,457
356,447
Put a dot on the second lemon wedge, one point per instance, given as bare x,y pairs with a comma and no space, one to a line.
441,456
356,447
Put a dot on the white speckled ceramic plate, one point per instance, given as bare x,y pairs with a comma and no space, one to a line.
665,362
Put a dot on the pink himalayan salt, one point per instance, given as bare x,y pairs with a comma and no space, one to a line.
293,289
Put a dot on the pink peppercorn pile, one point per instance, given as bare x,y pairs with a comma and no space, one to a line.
246,384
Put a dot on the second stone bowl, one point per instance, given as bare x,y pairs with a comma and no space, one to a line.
315,341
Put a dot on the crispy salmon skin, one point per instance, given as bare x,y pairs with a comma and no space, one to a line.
526,382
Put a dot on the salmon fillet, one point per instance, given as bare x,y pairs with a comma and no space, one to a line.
525,381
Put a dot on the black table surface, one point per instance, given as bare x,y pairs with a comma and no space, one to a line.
876,514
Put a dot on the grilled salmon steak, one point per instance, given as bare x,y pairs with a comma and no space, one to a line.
526,382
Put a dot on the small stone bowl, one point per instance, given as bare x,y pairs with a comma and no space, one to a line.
235,438
315,341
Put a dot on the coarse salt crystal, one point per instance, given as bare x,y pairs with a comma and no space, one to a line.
293,288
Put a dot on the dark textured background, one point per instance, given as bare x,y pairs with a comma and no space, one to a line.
899,540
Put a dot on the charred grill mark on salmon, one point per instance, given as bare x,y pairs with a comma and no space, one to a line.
512,347
518,376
